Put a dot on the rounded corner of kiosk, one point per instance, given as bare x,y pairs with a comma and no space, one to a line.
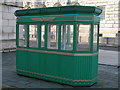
61,47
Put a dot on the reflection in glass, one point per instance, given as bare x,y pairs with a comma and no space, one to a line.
33,38
42,35
67,37
53,37
22,35
83,37
95,37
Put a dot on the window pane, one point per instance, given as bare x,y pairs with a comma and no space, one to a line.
67,37
95,36
53,37
33,38
42,35
83,37
22,35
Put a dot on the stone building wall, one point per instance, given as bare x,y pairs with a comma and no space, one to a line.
0,26
8,19
110,24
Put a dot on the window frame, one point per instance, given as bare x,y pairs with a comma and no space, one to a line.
40,33
90,37
17,35
47,35
59,35
97,37
37,35
72,37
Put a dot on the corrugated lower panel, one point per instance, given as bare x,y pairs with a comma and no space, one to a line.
73,70
83,68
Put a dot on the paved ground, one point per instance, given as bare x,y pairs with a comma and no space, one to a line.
110,48
108,57
107,77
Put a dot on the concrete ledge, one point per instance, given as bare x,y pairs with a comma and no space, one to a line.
12,5
8,50
107,45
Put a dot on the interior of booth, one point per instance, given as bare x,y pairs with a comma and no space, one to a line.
83,36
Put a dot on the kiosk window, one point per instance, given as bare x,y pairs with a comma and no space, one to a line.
22,35
42,35
83,37
33,38
67,37
95,36
53,36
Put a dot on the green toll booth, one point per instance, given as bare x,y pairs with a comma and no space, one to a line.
59,44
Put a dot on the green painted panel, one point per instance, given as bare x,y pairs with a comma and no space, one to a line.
83,68
71,70
59,10
53,18
78,18
21,61
94,66
58,68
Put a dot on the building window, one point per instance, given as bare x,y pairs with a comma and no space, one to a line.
42,35
83,37
22,35
95,37
67,37
33,37
52,36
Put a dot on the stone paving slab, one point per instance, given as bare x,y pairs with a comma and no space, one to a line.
107,77
108,57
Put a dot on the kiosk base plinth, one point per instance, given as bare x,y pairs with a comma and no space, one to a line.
59,79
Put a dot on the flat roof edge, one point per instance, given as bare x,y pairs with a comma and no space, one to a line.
59,10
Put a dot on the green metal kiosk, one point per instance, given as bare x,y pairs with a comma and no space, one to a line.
59,44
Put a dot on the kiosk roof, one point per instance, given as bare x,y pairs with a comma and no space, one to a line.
75,9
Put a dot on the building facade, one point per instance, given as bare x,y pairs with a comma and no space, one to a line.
8,24
109,26
110,21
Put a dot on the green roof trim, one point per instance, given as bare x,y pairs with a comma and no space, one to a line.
59,10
